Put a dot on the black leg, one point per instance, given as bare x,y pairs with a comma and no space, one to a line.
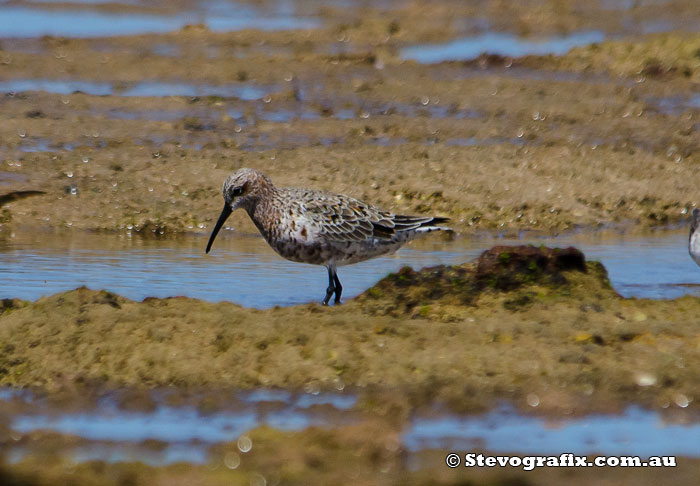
338,287
331,287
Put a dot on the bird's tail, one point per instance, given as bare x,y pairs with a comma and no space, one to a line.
421,224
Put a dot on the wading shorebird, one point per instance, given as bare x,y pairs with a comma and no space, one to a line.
694,238
316,227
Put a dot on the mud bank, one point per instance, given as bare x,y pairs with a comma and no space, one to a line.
123,141
518,321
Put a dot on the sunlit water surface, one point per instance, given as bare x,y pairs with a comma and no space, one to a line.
245,270
500,43
185,434
223,16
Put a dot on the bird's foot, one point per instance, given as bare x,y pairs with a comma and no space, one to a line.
329,293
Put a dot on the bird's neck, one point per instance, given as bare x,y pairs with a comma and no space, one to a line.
265,211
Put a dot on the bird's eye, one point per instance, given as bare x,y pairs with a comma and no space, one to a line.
237,191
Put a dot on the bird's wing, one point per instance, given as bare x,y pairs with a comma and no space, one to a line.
342,218
14,196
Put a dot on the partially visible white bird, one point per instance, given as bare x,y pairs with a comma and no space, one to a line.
694,238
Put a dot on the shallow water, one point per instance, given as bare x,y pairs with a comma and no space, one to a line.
247,92
248,143
499,43
244,269
474,141
183,434
108,422
23,22
635,432
10,178
676,105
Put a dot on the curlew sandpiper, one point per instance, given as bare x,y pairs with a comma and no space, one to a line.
318,227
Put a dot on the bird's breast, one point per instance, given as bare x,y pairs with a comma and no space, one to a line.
694,246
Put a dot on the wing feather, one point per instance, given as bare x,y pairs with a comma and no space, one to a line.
342,218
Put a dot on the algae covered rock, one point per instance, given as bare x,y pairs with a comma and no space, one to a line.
517,275
509,267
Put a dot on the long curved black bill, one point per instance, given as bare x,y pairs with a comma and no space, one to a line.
225,213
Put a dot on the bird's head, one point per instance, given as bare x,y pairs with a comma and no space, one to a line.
694,220
242,189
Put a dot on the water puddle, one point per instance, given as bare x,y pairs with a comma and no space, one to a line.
635,432
474,141
158,88
285,116
38,144
676,105
108,422
150,115
243,269
244,112
247,92
426,108
250,114
220,16
165,50
504,68
630,4
9,178
166,434
258,142
344,114
502,44
88,2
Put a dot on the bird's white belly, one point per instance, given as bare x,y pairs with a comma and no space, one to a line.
694,247
354,252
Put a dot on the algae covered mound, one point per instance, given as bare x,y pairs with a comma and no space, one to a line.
528,271
507,268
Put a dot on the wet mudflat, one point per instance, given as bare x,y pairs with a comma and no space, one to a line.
521,128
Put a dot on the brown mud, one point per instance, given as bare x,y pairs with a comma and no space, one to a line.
605,135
